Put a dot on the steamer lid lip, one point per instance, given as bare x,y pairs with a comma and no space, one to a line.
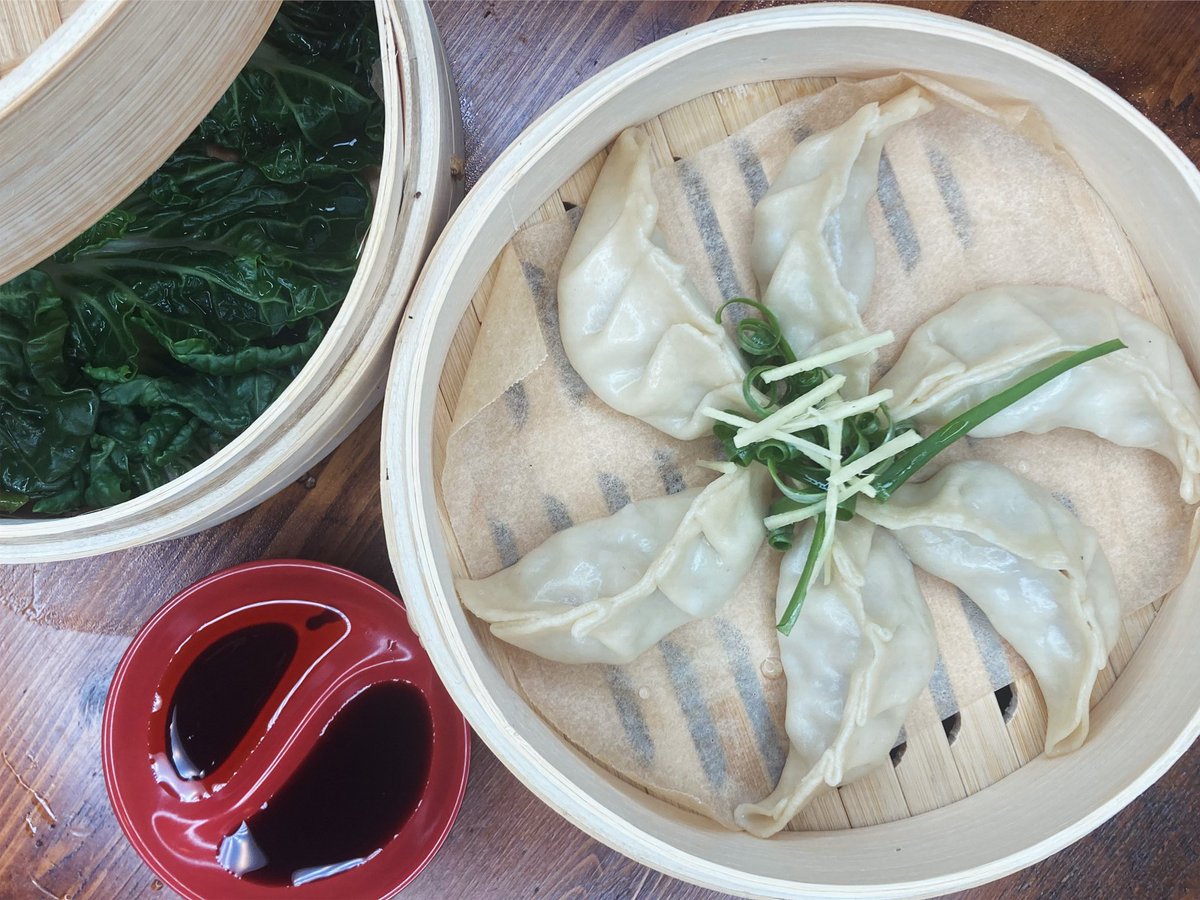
378,646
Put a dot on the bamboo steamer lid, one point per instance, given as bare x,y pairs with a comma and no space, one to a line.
95,95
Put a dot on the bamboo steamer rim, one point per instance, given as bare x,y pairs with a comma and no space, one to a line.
139,62
343,380
1033,812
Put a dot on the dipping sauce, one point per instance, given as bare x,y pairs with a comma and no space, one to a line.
349,797
221,694
277,731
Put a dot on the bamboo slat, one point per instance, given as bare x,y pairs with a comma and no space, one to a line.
24,26
94,84
927,772
66,8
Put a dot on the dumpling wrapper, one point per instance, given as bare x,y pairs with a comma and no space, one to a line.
1143,397
813,253
633,325
607,590
860,654
1037,572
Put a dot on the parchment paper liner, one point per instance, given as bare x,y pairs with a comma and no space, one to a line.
969,196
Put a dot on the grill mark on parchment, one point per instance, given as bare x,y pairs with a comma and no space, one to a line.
751,168
904,236
629,711
556,512
801,132
716,250
668,471
1066,502
616,494
952,196
545,301
754,699
703,730
517,402
995,662
505,541
942,690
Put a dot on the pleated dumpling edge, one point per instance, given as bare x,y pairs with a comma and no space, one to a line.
607,590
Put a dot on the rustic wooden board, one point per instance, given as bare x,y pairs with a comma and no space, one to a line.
63,625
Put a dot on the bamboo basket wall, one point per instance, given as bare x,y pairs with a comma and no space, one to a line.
344,379
1005,805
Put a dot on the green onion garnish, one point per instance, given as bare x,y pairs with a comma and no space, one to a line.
796,453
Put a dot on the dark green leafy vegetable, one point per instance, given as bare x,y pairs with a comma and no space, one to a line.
165,329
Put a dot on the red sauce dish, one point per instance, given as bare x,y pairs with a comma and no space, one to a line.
276,730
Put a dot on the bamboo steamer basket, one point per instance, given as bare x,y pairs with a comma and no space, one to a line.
343,381
1013,814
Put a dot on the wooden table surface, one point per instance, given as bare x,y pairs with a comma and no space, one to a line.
64,626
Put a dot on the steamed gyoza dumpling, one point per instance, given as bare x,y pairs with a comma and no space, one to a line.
814,256
1144,396
1036,571
860,654
607,590
633,326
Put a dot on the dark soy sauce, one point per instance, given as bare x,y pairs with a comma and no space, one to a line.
222,693
348,798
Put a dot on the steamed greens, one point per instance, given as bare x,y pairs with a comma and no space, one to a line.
159,334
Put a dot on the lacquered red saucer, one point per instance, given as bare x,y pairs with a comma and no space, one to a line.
177,824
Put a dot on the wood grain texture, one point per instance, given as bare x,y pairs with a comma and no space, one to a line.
24,24
64,625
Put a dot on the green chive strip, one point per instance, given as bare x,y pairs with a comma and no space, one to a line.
908,463
792,613
758,337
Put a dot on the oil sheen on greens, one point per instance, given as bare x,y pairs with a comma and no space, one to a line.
158,335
